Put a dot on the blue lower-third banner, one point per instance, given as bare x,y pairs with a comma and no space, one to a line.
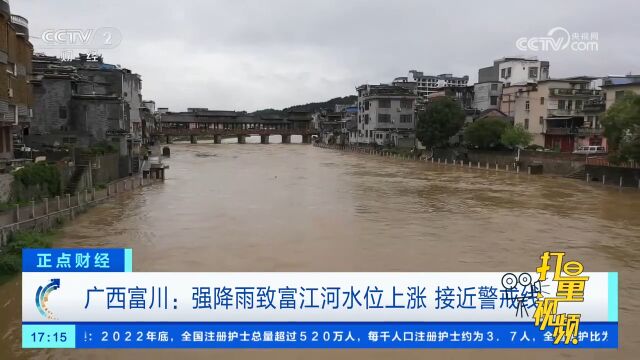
309,335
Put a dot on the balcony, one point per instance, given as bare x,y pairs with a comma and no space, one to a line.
561,131
595,106
21,24
580,131
565,112
590,131
573,92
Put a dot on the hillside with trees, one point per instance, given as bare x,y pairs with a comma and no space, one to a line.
312,107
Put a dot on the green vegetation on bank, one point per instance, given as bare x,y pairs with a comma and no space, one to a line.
35,181
485,133
11,255
440,121
99,149
493,132
622,129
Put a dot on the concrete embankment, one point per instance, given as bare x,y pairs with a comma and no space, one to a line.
46,214
552,164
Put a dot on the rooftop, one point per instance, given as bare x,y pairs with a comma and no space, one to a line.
613,80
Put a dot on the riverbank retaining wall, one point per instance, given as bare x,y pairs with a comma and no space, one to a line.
613,175
44,215
493,161
552,163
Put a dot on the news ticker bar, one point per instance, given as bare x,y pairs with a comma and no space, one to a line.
111,307
299,297
375,335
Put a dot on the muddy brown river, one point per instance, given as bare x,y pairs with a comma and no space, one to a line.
295,207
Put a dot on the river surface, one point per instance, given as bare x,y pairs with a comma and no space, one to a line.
279,207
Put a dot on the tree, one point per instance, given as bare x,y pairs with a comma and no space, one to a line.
440,120
516,136
485,133
622,128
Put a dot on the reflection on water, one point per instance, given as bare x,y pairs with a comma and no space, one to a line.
276,207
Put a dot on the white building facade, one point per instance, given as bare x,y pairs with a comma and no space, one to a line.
386,116
429,84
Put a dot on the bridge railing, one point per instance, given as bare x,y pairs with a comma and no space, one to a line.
232,132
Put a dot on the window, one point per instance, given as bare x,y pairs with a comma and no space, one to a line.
494,87
526,105
493,100
505,72
62,112
406,104
384,103
569,105
620,94
541,120
406,118
533,72
384,118
526,124
12,69
366,119
562,104
542,100
578,104
366,105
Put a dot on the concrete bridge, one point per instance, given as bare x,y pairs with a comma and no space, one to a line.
221,124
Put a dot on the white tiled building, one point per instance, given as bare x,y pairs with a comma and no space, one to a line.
386,116
429,84
515,71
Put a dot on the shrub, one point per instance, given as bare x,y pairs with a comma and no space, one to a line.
11,255
42,178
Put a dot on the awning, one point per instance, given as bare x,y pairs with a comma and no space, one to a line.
560,118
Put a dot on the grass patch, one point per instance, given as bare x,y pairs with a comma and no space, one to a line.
11,255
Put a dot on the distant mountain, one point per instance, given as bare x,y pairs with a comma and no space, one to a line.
312,107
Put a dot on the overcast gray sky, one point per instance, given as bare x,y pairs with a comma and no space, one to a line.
254,54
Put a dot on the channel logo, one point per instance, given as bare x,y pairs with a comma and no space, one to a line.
42,298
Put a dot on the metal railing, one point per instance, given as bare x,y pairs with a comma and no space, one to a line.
19,20
39,216
590,131
573,92
603,161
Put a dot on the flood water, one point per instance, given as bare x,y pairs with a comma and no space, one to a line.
295,207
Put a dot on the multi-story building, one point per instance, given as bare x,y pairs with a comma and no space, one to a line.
515,71
486,95
554,112
386,116
616,87
426,85
84,102
330,126
463,95
16,98
54,85
150,119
